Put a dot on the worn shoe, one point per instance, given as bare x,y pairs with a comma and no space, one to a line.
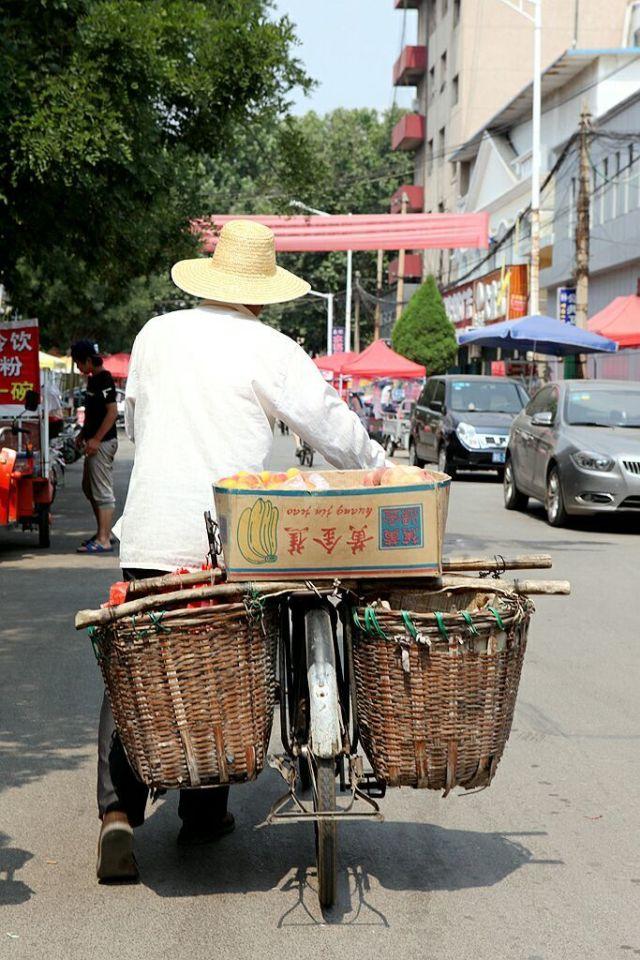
116,862
196,834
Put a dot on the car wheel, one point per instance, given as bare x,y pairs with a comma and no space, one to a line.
444,463
414,459
514,499
554,501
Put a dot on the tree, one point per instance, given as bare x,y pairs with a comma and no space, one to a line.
107,109
341,162
424,333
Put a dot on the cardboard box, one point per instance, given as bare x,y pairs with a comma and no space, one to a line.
347,531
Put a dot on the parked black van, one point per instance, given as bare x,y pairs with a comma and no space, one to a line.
462,422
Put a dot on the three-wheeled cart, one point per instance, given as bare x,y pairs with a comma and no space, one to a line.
26,491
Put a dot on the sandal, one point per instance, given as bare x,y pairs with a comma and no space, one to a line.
92,546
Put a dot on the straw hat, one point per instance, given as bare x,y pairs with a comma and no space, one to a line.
242,269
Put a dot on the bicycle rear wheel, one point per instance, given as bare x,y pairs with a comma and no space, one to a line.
326,830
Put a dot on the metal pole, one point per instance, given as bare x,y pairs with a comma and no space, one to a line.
378,314
347,312
401,264
534,293
356,326
329,324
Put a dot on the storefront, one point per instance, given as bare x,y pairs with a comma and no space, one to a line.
499,295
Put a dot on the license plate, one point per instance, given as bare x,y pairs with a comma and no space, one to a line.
497,456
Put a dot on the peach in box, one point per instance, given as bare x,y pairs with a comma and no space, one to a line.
349,530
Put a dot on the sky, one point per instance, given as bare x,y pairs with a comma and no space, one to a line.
349,46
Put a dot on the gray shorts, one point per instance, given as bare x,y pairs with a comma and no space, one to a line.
97,479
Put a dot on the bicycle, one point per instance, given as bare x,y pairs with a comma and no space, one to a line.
318,726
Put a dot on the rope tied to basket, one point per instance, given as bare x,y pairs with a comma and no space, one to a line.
254,604
94,637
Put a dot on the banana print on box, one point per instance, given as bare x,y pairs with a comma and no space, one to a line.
258,532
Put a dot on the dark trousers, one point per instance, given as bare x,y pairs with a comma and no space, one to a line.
119,787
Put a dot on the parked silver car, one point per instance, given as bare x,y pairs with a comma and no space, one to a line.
576,447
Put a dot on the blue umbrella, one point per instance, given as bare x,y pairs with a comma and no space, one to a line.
540,334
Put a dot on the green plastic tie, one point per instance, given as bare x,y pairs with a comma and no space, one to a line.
95,643
499,620
441,627
358,622
254,604
372,622
466,616
409,624
156,620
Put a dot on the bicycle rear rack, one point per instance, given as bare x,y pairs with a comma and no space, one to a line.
291,807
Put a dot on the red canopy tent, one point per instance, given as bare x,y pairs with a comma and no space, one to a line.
117,365
335,362
381,231
379,360
620,321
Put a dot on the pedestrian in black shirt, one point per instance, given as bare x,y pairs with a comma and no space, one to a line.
100,439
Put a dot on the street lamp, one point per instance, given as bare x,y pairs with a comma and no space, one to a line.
534,17
329,298
347,310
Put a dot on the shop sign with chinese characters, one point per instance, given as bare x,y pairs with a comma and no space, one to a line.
343,531
500,295
19,365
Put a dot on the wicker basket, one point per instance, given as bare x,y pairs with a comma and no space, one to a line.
192,691
436,689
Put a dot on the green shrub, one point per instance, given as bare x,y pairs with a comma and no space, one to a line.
424,333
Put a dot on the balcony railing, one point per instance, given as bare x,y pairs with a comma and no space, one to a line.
408,132
412,268
410,67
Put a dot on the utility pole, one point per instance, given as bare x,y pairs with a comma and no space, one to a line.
356,322
377,321
401,260
583,222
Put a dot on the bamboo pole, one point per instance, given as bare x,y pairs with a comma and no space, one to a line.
230,591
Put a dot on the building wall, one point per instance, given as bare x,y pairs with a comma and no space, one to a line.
614,255
489,51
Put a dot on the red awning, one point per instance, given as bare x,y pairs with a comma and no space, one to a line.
381,231
335,362
620,321
117,365
379,360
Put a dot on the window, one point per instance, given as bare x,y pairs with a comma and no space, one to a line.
464,174
445,7
603,190
617,195
455,89
427,393
545,401
432,82
443,71
456,12
430,156
442,141
437,401
632,175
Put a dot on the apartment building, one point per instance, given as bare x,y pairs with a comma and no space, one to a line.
469,58
494,286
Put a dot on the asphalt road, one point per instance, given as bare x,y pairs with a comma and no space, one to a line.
544,865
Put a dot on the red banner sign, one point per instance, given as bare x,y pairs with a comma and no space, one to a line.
19,363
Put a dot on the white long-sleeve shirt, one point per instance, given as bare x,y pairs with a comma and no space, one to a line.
205,387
